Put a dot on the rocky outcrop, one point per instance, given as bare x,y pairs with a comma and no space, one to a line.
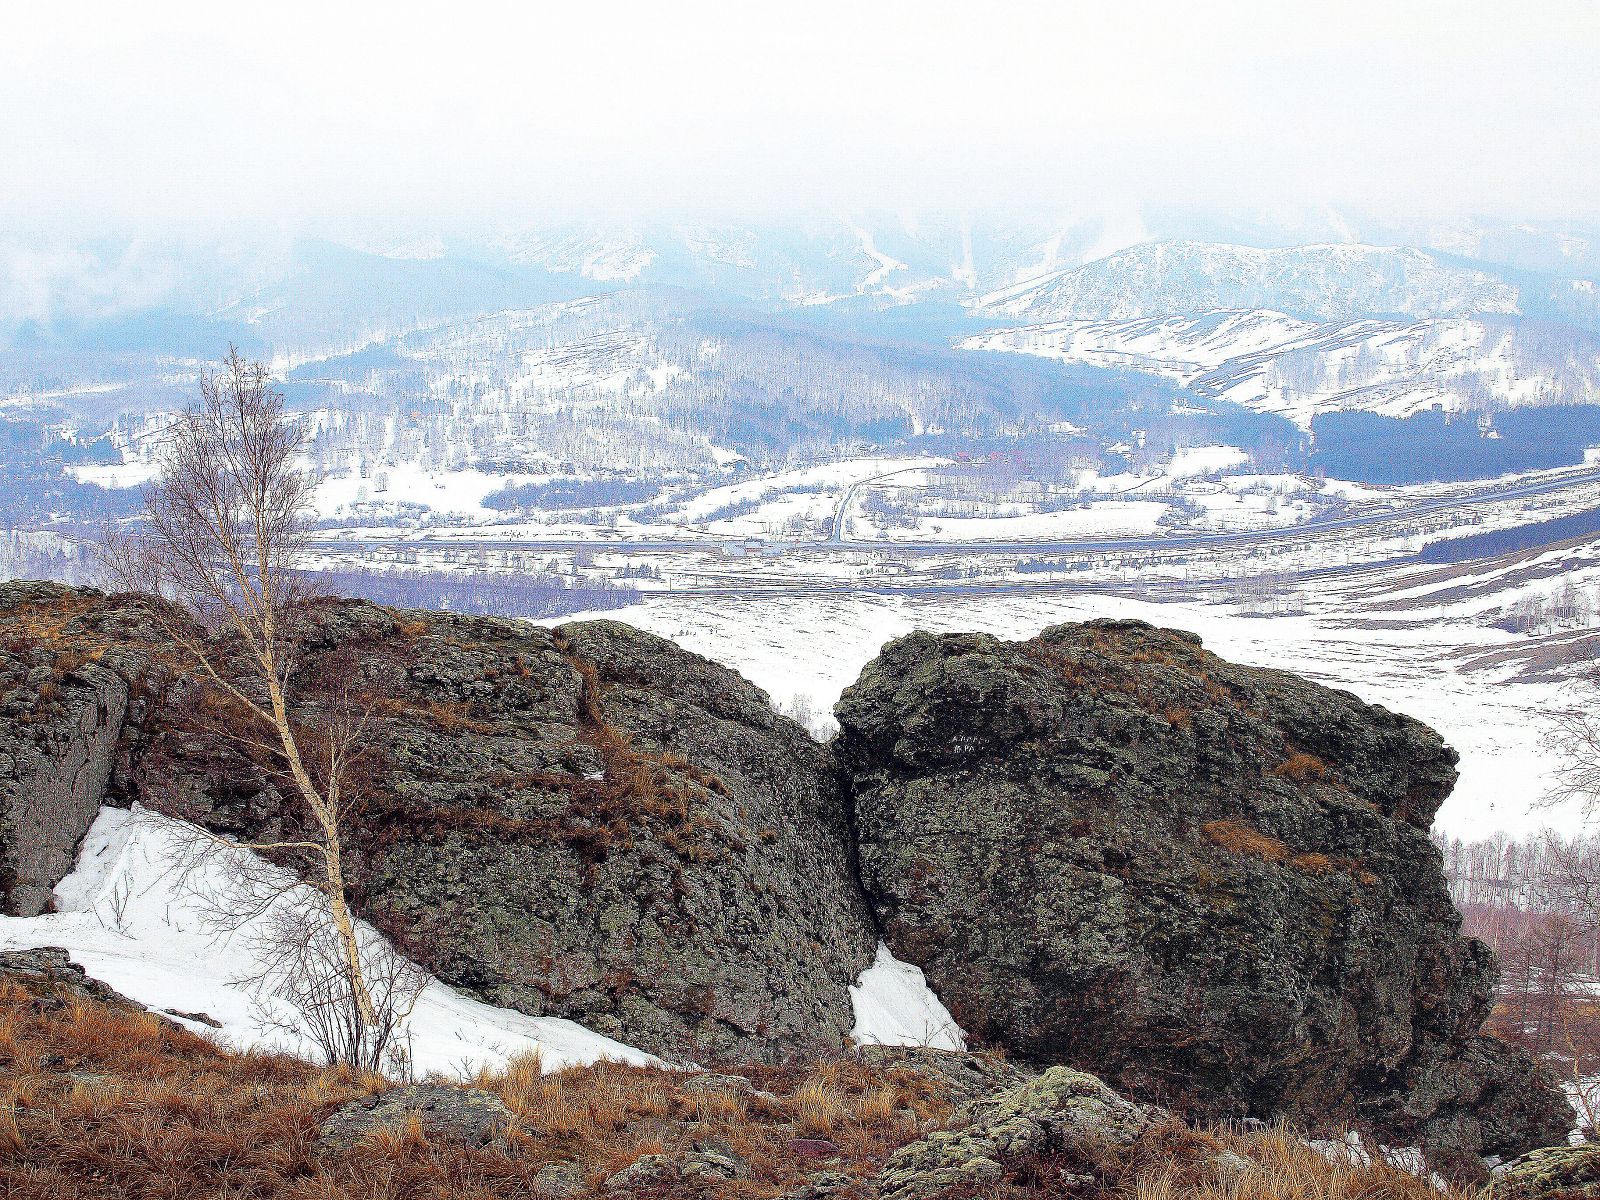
1064,1114
48,971
586,822
465,1116
69,662
1210,884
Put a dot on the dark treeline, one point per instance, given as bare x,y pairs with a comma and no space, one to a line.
1449,446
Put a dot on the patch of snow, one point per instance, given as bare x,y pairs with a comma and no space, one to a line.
1203,460
131,920
1111,518
114,475
894,1006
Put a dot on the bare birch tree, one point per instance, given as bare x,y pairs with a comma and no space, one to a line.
223,542
1575,738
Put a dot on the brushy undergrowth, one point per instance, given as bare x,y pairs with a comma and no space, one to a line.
100,1102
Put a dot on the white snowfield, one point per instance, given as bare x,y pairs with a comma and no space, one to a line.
130,919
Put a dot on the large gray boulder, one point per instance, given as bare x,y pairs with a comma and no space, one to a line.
586,822
1212,885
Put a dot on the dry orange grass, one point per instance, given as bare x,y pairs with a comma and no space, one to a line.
1280,1167
134,1107
1301,767
1238,837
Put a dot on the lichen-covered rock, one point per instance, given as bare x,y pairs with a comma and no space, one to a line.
1552,1173
960,1076
559,1179
586,822
654,1172
1063,1112
466,1116
1210,884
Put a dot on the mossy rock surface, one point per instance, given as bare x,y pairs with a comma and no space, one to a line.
1552,1173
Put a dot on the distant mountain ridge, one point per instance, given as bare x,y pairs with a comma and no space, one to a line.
1320,282
1272,362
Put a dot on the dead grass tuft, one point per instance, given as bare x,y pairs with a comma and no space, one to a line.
1239,837
1301,767
1280,1167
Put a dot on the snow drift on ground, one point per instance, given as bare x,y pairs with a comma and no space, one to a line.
131,919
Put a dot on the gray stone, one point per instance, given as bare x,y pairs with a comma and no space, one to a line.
586,822
717,1082
960,1076
1062,1112
61,713
1206,883
823,1185
559,1179
1230,1168
653,1171
712,1164
466,1116
644,1173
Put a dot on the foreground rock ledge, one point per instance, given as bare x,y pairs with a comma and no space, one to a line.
1210,884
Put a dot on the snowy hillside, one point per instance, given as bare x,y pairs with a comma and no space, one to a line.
1330,282
1272,362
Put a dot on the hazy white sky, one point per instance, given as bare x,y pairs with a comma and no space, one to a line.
194,113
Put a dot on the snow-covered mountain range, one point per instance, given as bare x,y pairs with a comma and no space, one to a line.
1325,282
1272,362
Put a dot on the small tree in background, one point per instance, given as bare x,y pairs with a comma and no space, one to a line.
1575,739
223,543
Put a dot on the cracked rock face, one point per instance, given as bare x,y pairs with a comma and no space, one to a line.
1210,884
70,668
